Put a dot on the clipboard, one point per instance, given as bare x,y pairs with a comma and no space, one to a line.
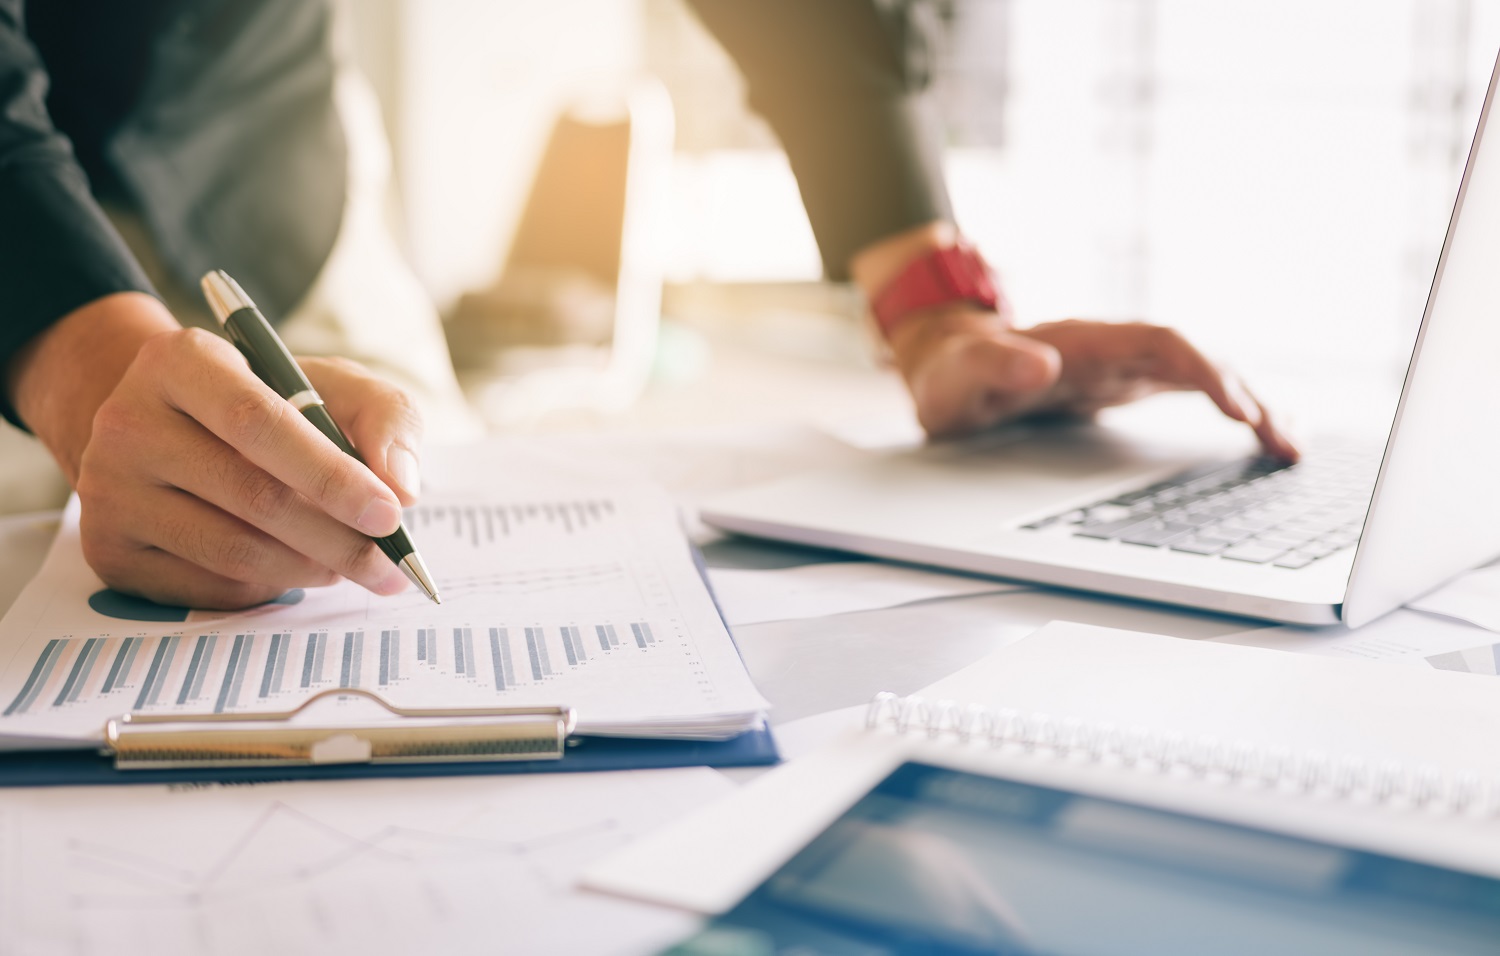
464,741
583,753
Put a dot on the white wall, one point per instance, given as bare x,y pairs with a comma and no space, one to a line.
479,83
1298,163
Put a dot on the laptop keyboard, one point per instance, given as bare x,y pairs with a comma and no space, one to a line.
1256,510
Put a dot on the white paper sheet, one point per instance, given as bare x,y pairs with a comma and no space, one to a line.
1279,703
1473,597
573,595
459,865
822,590
1403,637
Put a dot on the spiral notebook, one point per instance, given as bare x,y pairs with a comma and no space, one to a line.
1400,761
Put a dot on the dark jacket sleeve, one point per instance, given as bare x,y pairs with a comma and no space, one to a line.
843,83
57,249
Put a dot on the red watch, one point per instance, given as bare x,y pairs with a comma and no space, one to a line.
957,273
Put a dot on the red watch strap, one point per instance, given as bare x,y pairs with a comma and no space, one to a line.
957,273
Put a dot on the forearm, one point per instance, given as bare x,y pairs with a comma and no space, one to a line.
59,257
843,84
58,380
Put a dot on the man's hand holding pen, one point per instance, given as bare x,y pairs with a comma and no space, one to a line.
200,486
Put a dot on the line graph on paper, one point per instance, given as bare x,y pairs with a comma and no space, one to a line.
284,847
368,866
608,582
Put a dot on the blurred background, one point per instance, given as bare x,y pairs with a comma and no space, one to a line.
1272,176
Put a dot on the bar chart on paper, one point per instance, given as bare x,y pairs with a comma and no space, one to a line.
590,603
151,674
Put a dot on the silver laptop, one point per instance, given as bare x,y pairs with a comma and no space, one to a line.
1339,537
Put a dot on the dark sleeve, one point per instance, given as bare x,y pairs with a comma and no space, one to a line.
843,84
57,249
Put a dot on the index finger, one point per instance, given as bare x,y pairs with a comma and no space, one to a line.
207,379
1183,366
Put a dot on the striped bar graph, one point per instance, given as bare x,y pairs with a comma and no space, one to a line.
643,635
119,671
390,656
83,665
37,679
156,676
234,673
354,652
427,646
573,645
463,652
203,655
607,636
275,671
226,673
312,659
505,670
536,650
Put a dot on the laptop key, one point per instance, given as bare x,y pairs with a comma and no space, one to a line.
1227,535
1319,549
1196,545
1280,539
1247,523
1253,553
1257,510
1111,529
1102,514
1155,536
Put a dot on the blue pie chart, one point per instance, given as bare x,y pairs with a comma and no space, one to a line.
127,607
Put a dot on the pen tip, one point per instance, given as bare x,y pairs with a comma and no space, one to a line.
416,572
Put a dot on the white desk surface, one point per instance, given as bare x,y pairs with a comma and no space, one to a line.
812,666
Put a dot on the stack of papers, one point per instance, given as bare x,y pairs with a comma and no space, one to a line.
574,598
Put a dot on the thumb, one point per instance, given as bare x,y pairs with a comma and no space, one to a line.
1009,376
974,379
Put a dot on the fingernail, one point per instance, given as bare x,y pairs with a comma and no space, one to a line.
402,465
379,518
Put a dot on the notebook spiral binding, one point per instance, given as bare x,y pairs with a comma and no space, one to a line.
1142,749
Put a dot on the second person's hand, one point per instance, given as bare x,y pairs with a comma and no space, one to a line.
968,371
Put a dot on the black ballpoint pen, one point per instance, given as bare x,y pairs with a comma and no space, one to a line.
274,365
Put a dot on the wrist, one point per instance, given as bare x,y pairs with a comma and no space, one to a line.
874,266
916,274
58,380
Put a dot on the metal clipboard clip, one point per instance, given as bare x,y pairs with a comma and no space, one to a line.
145,741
